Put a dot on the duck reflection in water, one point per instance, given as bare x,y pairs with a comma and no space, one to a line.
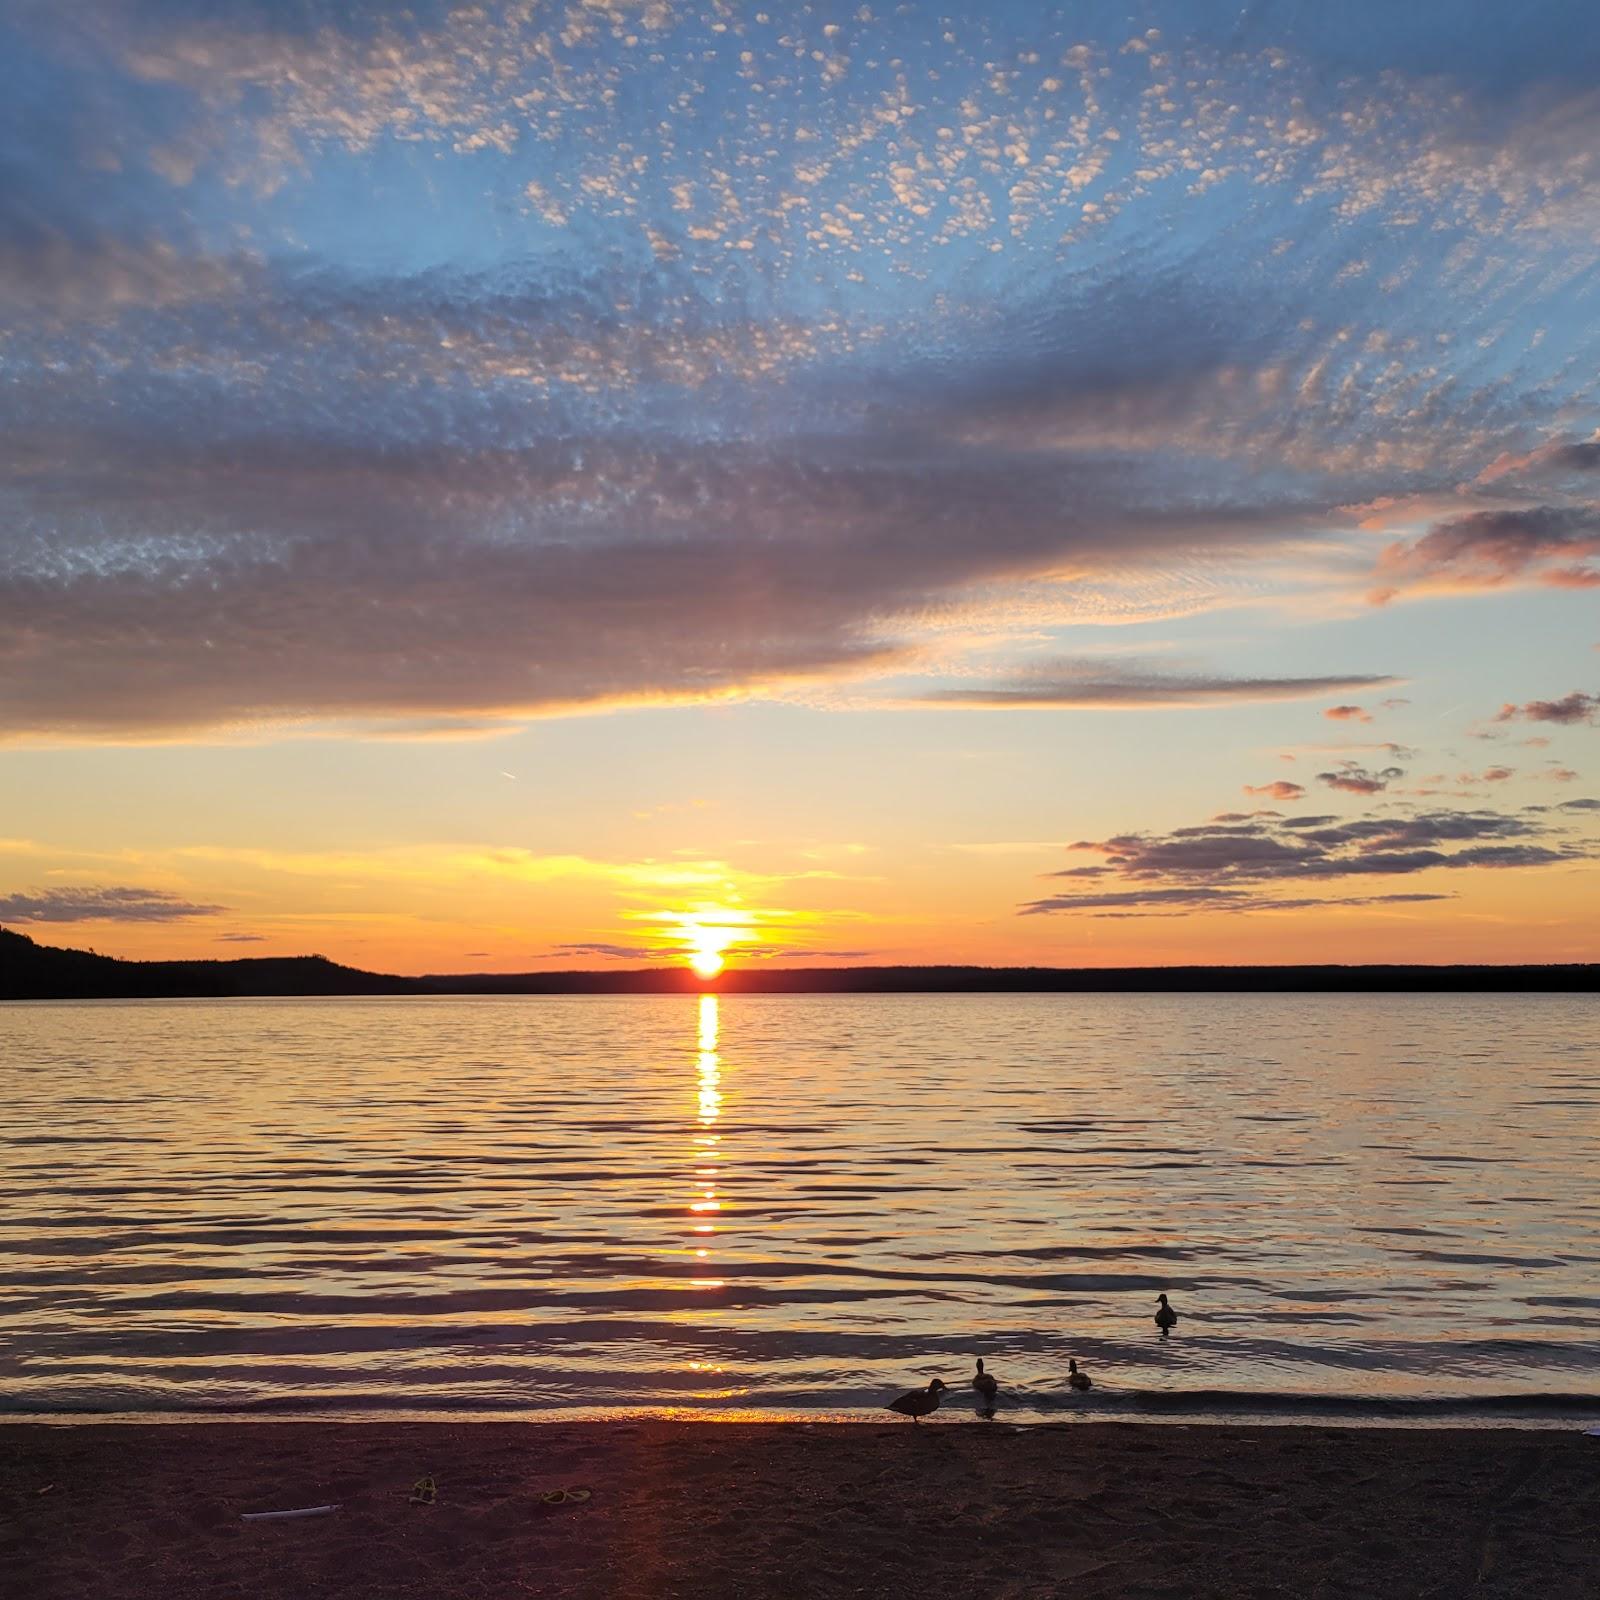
986,1387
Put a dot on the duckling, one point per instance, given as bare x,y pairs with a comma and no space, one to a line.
1079,1380
1166,1317
919,1402
985,1384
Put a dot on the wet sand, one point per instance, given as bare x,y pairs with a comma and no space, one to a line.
741,1511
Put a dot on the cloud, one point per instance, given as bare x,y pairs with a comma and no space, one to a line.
1235,900
1238,865
101,905
163,549
433,369
1347,714
1569,710
1559,457
795,953
241,938
1068,684
1353,779
611,952
1486,549
1279,789
44,273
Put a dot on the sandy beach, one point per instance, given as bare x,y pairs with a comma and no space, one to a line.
750,1510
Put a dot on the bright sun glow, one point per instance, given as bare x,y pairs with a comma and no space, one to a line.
706,936
706,962
706,945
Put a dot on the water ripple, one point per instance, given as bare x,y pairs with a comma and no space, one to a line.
1377,1205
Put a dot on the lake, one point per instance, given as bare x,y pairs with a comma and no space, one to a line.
1378,1205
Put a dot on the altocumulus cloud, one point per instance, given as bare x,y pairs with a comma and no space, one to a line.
101,905
670,429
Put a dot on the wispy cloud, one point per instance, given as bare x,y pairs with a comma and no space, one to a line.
1184,901
97,904
1093,684
609,952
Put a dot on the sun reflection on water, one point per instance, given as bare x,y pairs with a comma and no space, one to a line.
705,1202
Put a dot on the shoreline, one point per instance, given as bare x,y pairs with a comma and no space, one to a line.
30,971
1584,1418
745,1511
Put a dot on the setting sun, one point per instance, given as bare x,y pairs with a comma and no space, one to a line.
707,963
706,936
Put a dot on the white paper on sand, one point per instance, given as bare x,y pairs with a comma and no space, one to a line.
304,1511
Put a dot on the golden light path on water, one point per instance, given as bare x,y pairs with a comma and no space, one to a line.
706,1205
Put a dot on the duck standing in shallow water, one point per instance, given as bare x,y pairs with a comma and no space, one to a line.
986,1388
1079,1380
920,1402
1166,1317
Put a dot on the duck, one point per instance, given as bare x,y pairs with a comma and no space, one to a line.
985,1384
1079,1380
1166,1317
919,1402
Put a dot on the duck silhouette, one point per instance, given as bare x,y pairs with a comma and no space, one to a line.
1166,1317
1079,1380
985,1384
919,1402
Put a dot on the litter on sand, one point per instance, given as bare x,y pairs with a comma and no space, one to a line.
303,1511
564,1497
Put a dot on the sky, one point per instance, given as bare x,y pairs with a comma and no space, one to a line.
525,486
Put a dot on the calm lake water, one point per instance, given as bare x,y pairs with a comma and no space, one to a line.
1385,1203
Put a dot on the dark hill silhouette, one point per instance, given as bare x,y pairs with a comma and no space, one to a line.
30,971
1028,980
